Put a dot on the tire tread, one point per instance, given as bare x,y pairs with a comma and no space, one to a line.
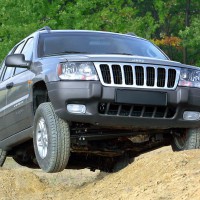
60,138
192,140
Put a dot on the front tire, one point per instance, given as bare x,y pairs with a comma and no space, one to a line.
189,139
51,139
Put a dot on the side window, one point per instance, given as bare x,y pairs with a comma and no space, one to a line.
8,73
28,49
19,70
2,69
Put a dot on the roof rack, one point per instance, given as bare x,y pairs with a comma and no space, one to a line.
47,28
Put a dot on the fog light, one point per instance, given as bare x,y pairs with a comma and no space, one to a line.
76,108
191,115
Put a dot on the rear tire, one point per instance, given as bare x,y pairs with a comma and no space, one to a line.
189,139
51,139
121,163
25,161
2,157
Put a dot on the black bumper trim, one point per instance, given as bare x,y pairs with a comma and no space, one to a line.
91,93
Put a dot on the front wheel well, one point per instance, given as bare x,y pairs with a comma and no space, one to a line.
40,94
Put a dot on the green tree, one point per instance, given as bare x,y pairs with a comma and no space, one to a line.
152,19
20,18
191,40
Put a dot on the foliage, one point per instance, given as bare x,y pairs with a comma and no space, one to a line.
163,21
171,46
168,41
191,40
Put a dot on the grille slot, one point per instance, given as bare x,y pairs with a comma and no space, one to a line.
139,72
128,73
161,77
150,76
117,74
138,76
105,73
128,110
171,78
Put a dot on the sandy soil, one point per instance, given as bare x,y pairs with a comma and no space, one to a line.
160,174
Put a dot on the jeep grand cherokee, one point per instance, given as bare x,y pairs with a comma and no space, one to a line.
93,99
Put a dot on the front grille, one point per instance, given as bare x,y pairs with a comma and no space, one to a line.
140,111
138,76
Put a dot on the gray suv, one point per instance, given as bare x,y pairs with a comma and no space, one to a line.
74,99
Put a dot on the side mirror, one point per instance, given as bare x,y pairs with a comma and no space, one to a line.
17,60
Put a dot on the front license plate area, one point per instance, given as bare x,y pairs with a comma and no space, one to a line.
141,97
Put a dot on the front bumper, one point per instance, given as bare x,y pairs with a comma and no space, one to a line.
92,94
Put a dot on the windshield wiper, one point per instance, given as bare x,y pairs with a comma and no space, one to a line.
129,54
66,52
79,52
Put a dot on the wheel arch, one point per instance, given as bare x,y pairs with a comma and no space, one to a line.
40,94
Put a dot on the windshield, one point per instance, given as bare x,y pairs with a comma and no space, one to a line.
95,43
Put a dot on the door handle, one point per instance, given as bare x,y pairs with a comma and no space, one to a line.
9,85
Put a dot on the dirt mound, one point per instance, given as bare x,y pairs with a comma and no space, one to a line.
157,176
20,184
160,174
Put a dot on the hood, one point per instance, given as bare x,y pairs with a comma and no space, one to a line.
120,58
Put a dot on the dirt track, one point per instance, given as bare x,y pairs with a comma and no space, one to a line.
160,174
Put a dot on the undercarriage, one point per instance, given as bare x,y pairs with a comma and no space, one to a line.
105,149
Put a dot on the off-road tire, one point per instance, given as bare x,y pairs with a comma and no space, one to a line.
121,163
2,157
58,134
26,163
190,139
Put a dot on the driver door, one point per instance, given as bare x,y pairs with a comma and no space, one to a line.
6,73
18,113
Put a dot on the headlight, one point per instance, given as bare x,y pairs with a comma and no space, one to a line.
77,71
189,77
